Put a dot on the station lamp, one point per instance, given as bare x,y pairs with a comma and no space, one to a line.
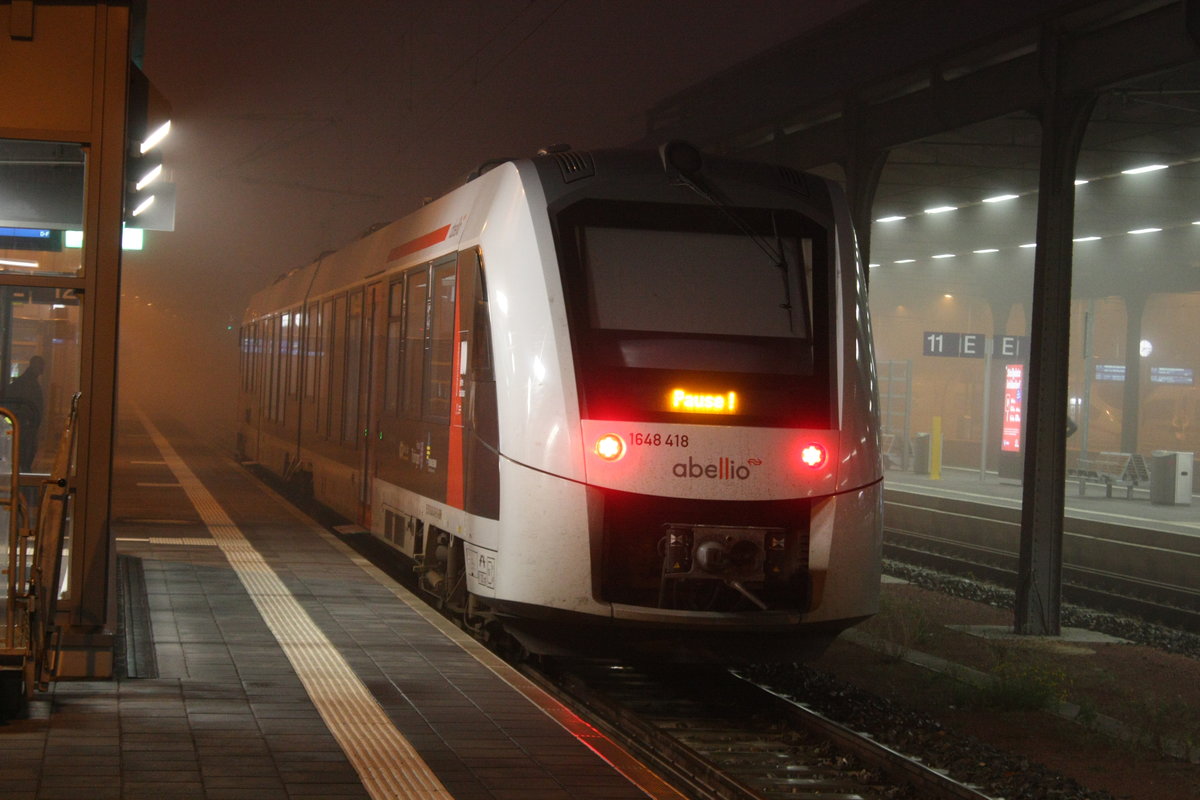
149,196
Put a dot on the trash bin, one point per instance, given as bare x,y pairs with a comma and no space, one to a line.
1171,478
921,449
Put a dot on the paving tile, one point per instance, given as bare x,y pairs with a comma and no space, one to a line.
228,718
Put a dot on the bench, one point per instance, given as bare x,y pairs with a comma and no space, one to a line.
1109,470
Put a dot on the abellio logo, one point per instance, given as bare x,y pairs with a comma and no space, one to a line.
724,469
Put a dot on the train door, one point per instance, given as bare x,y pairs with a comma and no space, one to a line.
369,402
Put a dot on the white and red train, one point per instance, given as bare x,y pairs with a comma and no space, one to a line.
611,400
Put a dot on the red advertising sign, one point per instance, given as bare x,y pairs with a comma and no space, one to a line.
1010,433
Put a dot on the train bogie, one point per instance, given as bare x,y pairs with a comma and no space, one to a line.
618,400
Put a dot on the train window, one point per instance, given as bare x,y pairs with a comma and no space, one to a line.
311,333
481,332
41,207
271,384
246,336
720,298
416,291
441,344
279,384
294,346
324,358
337,358
676,271
353,369
395,340
740,286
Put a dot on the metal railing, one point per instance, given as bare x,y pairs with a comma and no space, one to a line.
29,644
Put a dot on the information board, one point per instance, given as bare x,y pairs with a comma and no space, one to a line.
1010,432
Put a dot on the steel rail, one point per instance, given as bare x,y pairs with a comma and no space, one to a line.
1155,601
774,747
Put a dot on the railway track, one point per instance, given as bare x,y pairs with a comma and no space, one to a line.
719,736
1172,606
1116,568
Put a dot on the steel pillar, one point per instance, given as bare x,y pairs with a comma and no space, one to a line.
1039,581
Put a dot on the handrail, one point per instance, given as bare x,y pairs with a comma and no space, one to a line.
17,564
34,554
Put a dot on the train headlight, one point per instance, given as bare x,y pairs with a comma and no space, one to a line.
813,456
610,447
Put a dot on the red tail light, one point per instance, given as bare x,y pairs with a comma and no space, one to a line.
814,456
610,447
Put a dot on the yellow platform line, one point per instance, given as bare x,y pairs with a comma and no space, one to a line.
386,762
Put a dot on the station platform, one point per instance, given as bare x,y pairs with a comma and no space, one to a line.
1092,504
263,658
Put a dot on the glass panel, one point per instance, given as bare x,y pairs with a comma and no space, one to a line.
712,294
337,355
39,358
675,272
417,298
40,336
353,369
294,347
312,332
391,368
325,323
441,349
41,207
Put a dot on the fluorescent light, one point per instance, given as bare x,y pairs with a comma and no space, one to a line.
145,204
73,239
153,139
893,218
940,209
948,296
149,177
944,255
1086,239
904,261
1140,231
872,266
1197,222
1140,170
1028,245
1081,181
987,250
1000,198
12,262
133,238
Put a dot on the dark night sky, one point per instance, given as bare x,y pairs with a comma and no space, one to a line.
298,124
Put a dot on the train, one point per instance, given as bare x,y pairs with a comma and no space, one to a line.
604,402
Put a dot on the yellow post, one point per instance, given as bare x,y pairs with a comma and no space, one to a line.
935,450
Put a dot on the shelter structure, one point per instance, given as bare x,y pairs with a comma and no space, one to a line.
1023,180
65,69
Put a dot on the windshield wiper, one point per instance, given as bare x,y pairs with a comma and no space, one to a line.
683,162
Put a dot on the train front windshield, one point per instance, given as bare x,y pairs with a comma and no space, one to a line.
715,300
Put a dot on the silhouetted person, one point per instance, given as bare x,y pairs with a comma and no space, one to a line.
24,397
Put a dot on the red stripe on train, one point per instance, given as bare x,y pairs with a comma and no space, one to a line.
419,243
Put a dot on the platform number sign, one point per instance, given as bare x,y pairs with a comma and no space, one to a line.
971,345
954,345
